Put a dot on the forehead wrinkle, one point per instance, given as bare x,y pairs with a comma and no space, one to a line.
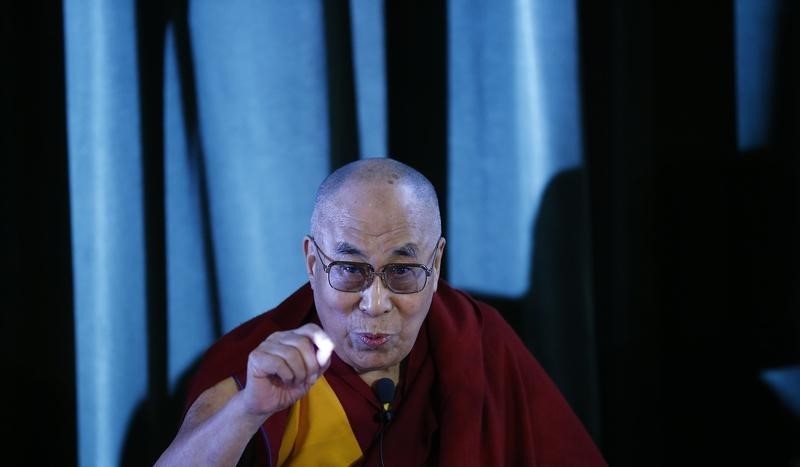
363,227
345,248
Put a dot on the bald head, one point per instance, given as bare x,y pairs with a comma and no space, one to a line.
387,174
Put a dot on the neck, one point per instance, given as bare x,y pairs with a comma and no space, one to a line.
371,376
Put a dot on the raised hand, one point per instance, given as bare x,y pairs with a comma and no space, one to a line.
283,368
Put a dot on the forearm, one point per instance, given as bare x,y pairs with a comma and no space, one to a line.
218,440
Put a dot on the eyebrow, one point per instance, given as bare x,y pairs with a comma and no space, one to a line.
345,248
408,250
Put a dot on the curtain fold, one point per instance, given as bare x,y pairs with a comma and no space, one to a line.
244,144
581,151
262,119
514,124
518,202
108,245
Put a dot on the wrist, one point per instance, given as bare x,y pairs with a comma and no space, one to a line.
243,411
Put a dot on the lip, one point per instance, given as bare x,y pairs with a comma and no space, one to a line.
373,340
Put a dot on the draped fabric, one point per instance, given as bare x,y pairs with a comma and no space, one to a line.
465,382
618,178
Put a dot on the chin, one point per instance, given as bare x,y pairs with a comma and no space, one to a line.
372,364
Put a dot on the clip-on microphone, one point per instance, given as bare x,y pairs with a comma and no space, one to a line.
384,389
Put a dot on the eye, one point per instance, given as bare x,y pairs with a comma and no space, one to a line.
352,269
401,270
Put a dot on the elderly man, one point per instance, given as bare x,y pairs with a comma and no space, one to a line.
376,361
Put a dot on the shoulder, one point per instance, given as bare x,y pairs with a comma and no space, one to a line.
487,343
459,322
466,313
494,370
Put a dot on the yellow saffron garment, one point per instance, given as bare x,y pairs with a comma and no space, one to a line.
318,432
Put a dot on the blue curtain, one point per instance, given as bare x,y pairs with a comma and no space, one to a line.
618,178
241,161
238,183
109,254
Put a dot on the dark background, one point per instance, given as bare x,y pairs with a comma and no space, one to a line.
693,242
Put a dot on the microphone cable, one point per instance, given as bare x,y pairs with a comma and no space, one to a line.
384,389
380,443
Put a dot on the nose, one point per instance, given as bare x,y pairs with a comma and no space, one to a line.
375,298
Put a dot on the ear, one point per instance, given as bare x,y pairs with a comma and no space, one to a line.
311,258
437,263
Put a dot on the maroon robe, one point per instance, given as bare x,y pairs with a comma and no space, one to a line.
470,392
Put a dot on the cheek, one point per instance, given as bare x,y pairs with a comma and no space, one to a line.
334,310
413,313
319,281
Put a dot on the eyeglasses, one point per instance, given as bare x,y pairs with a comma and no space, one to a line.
400,278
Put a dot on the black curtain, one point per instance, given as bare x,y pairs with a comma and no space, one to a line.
38,420
694,241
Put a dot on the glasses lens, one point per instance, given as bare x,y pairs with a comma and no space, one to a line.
347,277
403,278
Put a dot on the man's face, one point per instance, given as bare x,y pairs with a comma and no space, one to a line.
374,329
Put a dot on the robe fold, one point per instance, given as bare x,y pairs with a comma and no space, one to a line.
470,392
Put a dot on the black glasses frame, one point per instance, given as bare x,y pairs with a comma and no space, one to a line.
371,272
